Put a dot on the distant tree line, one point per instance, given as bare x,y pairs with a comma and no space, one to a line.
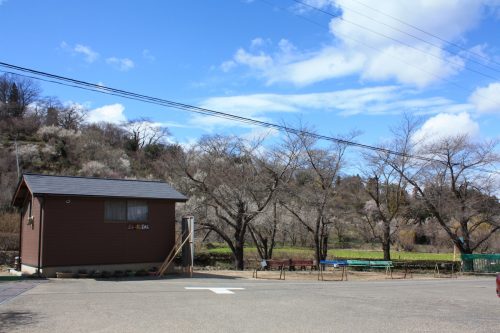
296,191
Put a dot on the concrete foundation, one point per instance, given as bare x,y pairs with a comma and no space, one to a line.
50,272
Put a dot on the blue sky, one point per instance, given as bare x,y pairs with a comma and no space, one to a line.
271,60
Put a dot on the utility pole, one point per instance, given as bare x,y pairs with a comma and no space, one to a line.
17,158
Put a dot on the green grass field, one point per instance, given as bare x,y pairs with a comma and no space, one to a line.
293,252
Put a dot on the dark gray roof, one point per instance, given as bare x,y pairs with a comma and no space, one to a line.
101,187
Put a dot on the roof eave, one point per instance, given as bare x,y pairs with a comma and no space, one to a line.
107,196
18,188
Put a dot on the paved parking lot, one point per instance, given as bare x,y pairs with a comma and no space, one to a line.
11,290
243,305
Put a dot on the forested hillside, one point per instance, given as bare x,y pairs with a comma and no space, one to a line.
294,191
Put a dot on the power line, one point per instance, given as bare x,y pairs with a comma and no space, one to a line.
458,46
465,89
437,46
66,81
340,17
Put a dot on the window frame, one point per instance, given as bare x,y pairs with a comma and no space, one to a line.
126,220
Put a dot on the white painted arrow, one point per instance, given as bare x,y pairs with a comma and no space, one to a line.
215,290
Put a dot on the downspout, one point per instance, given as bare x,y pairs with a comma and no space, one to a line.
29,212
40,224
19,251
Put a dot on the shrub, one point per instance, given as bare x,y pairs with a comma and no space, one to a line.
406,239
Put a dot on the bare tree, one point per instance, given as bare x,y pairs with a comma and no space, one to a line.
453,185
386,187
235,181
313,192
264,230
16,93
349,202
71,117
143,132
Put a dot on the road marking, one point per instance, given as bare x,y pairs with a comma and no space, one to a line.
219,291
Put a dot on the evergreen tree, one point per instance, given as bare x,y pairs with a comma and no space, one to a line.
14,105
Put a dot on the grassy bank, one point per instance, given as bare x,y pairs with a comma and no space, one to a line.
293,252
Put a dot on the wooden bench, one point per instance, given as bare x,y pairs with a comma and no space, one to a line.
323,264
270,264
301,264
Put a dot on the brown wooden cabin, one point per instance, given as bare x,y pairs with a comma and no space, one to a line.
70,224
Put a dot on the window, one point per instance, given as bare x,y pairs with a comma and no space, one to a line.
125,210
115,210
137,210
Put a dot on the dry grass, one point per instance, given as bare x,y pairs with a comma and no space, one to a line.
9,223
9,231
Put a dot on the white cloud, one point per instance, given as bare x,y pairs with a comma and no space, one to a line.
362,46
146,54
328,63
487,99
257,42
89,55
410,66
446,125
122,64
461,15
373,100
258,134
108,113
259,61
381,100
226,66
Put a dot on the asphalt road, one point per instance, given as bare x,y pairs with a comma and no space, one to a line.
439,305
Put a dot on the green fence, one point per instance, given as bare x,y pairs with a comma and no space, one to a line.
481,263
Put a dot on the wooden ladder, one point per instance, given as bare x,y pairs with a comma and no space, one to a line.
171,256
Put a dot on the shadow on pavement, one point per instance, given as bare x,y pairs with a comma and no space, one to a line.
11,320
172,276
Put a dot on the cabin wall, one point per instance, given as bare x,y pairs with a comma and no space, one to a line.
75,234
30,232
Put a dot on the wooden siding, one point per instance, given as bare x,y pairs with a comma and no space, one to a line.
74,233
30,234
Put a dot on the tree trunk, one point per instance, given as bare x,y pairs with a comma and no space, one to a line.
317,241
273,234
386,241
238,255
239,242
324,247
386,247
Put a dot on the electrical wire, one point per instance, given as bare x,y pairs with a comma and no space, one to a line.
74,83
437,46
378,50
453,63
52,78
458,46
